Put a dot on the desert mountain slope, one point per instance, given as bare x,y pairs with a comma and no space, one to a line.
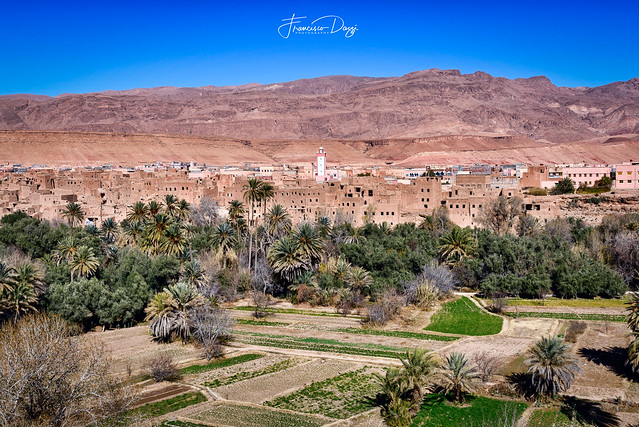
422,104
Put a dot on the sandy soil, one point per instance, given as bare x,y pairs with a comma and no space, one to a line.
268,387
581,310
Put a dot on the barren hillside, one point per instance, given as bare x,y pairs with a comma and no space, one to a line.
422,104
84,148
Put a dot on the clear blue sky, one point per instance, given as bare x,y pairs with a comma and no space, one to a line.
50,48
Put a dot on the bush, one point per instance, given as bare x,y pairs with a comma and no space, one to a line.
163,368
385,309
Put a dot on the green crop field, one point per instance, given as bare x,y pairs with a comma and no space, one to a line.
437,411
247,375
463,317
318,344
571,316
398,334
222,363
339,397
162,407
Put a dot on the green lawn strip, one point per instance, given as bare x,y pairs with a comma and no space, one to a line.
552,417
398,334
249,416
569,302
570,316
463,317
339,397
222,363
247,375
260,322
319,344
294,311
437,411
155,409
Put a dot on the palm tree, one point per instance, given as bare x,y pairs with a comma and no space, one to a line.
183,210
278,221
84,262
633,351
354,236
323,224
396,410
358,279
173,242
170,205
418,368
224,239
267,192
286,260
138,212
130,232
459,375
308,242
252,195
553,368
7,277
456,245
21,298
109,229
633,312
168,311
193,274
28,274
154,208
73,212
156,229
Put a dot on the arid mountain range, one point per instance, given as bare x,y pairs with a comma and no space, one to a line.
405,119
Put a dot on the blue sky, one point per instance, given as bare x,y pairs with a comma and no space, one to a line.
59,47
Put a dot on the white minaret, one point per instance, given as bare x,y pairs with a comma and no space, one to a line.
321,164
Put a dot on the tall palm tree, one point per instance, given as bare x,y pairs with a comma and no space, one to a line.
84,262
65,250
28,274
109,229
418,368
308,242
286,260
278,221
73,212
7,277
458,244
183,210
173,242
459,375
156,229
153,208
130,232
170,205
224,239
138,212
252,195
553,368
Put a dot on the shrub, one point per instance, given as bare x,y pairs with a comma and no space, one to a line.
536,191
163,368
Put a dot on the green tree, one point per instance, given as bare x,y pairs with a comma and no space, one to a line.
308,242
457,245
84,262
395,409
73,212
174,241
252,195
137,213
459,375
170,205
565,186
7,277
418,369
286,260
224,239
552,367
278,221
109,229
